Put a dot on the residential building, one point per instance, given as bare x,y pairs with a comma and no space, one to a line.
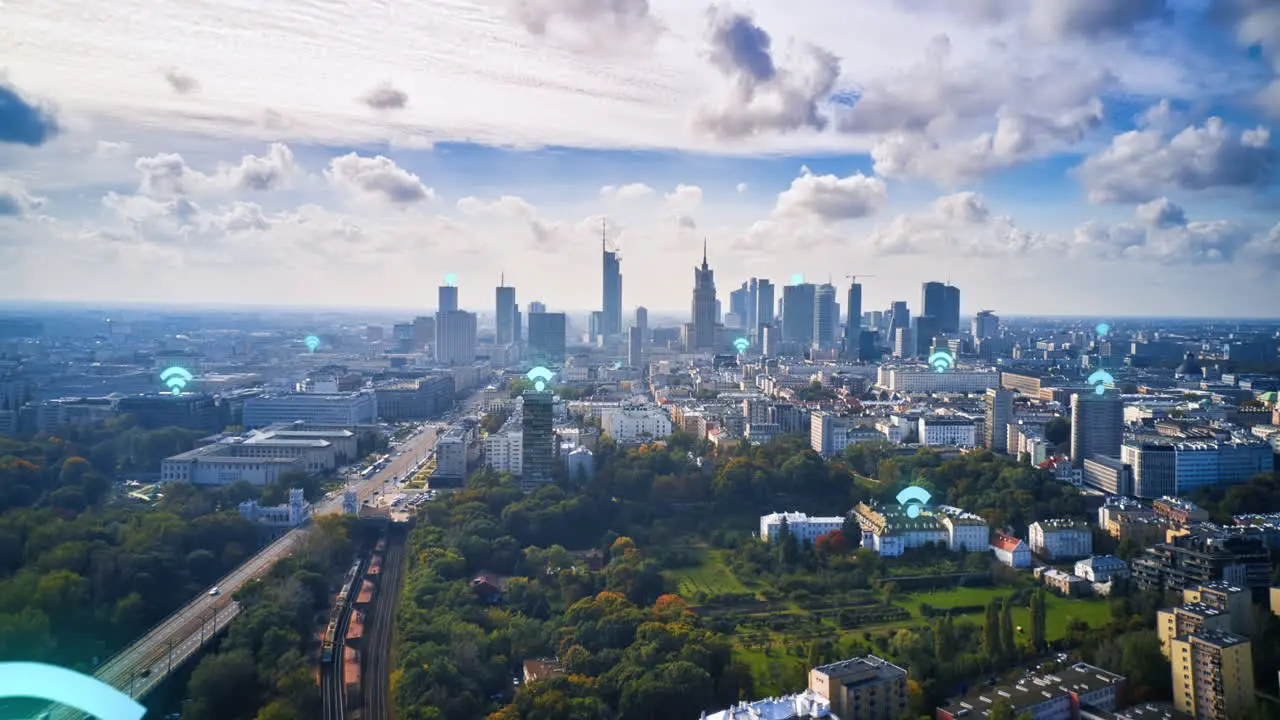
452,456
1102,568
1179,511
865,688
999,415
1187,619
1055,696
801,526
1011,551
958,432
1235,601
635,423
1060,539
1212,675
1202,557
966,532
800,706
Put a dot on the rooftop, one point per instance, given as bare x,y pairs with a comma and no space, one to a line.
807,704
1216,638
1034,690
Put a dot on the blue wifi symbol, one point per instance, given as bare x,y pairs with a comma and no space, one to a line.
1101,380
69,688
176,378
741,344
540,377
914,498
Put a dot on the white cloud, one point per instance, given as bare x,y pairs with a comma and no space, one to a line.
829,198
742,188
1257,23
957,225
1162,234
685,198
385,97
168,175
16,201
956,122
599,25
107,150
377,178
1141,164
631,191
546,235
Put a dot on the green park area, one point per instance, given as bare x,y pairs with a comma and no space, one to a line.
775,632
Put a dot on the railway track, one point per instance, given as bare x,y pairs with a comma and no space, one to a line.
377,665
333,687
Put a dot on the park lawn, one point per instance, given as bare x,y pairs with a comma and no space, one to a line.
711,575
1094,611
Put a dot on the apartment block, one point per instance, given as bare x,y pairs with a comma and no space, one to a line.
1188,619
1060,539
1212,674
866,688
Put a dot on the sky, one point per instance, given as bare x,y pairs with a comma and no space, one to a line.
1047,157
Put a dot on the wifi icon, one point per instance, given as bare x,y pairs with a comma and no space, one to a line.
69,688
540,376
1101,380
176,378
741,344
914,499
941,361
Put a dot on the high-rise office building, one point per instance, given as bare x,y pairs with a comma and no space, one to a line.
504,313
898,317
999,415
826,316
764,308
986,325
703,307
424,332
537,307
538,438
448,298
635,347
753,290
869,345
926,329
547,344
853,320
797,313
942,302
612,289
642,322
738,301
518,325
1097,426
455,337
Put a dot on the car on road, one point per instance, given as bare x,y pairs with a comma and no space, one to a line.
214,592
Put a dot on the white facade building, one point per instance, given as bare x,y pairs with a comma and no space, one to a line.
966,532
341,409
1011,551
1060,539
801,526
918,380
504,449
801,706
629,424
947,431
1102,568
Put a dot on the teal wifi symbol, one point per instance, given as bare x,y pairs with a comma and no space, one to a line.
69,688
941,361
797,278
176,378
312,342
540,377
741,344
1101,380
451,280
914,498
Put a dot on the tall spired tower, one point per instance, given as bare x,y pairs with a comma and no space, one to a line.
703,336
611,304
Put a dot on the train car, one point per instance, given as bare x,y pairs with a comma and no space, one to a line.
326,656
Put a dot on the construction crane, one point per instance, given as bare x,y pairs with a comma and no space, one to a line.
854,278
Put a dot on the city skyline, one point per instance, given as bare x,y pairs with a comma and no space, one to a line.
1049,159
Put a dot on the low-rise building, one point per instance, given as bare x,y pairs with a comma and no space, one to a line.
1102,568
865,688
1060,539
1054,696
966,532
801,526
800,706
936,430
1011,551
288,515
1061,582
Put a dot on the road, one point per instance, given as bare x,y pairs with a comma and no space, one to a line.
377,659
141,666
